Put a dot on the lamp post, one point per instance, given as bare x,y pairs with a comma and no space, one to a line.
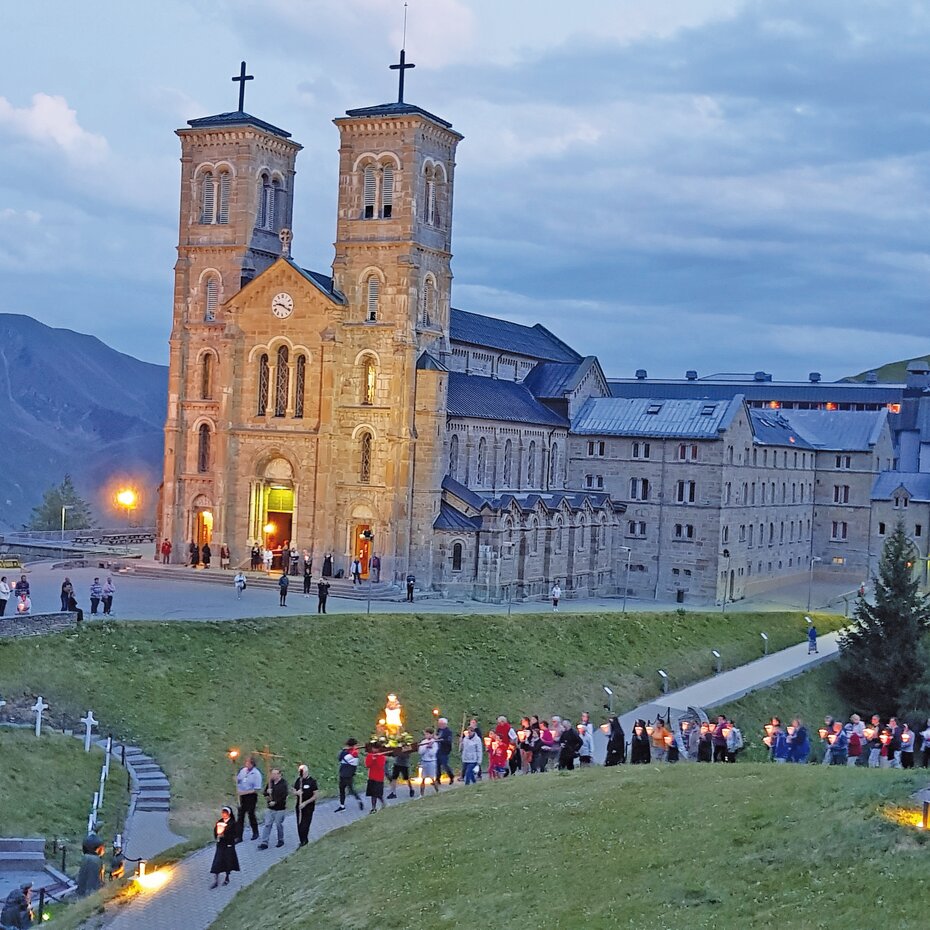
726,581
626,577
61,548
370,536
716,655
810,580
765,643
610,699
664,676
127,498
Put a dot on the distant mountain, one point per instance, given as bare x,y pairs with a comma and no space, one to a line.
893,372
69,404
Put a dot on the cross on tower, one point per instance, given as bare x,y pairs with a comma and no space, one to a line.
402,66
240,79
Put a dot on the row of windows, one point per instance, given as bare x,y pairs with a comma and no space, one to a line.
918,529
747,533
767,492
595,533
429,300
281,388
482,466
378,185
215,190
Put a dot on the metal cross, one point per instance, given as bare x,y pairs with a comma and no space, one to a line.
240,80
402,66
286,236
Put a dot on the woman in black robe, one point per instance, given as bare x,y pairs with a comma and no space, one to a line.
640,753
225,858
616,744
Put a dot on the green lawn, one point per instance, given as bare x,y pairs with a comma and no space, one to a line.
48,784
810,696
189,691
650,848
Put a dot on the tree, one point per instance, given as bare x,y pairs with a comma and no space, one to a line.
878,654
47,516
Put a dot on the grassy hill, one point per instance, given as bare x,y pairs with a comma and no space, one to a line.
894,372
190,691
651,847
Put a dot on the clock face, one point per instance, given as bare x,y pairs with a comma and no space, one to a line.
282,305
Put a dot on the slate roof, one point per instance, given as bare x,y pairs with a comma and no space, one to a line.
686,419
397,109
773,428
533,341
490,399
839,430
322,281
427,362
575,500
553,380
917,484
451,519
794,392
236,118
463,493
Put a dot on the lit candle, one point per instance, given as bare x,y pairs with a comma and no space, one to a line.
791,731
869,732
650,729
668,740
823,732
767,740
769,728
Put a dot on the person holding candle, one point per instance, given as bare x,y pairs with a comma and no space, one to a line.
375,762
306,790
428,751
586,752
616,743
798,742
837,744
719,740
734,740
225,858
544,749
659,748
781,751
471,749
873,737
444,738
854,751
908,744
925,745
639,744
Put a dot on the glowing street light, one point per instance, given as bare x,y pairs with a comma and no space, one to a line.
765,643
664,676
716,655
610,699
127,498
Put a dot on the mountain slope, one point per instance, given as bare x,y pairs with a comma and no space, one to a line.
71,404
893,372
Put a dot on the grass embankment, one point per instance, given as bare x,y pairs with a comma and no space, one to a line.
742,846
48,785
190,691
810,696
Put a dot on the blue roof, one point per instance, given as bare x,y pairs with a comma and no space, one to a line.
797,392
839,430
660,418
917,485
772,428
236,118
493,333
322,281
463,493
555,379
397,109
490,399
427,362
451,519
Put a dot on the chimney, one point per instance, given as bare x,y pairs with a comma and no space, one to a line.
640,374
691,374
814,377
759,376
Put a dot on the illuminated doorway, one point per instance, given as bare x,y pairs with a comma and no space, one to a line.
202,512
362,546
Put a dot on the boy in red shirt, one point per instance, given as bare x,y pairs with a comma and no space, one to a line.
375,762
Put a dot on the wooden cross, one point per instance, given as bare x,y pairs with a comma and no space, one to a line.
267,755
240,79
402,66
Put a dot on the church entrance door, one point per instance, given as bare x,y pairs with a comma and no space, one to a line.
202,520
362,546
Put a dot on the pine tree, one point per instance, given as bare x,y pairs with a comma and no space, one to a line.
878,654
47,516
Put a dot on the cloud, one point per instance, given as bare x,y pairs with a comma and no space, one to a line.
49,121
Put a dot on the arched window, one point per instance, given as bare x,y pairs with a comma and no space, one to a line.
263,386
211,299
300,380
369,380
370,193
207,197
222,210
203,449
454,457
266,205
373,291
457,557
582,529
428,312
535,534
558,534
531,465
387,191
429,196
508,455
281,375
364,458
206,377
481,470
277,205
554,464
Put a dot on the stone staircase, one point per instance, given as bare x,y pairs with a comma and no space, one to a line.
153,793
22,855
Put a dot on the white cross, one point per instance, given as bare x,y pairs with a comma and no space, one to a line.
89,723
39,708
286,237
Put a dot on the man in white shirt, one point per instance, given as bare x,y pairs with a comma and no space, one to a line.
248,783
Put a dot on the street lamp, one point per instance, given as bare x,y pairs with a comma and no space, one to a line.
664,676
726,579
810,580
367,534
626,580
127,498
610,699
716,655
765,643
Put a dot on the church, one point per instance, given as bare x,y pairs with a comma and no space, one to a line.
356,412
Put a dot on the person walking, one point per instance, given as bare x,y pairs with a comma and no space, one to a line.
616,744
5,594
411,582
96,595
206,554
166,551
428,751
224,556
444,737
556,595
283,582
908,745
239,583
719,740
306,790
355,570
570,746
248,784
799,744
811,638
734,740
225,858
400,769
639,744
308,576
348,766
193,552
659,746
322,592
374,567
276,795
375,761
471,748
109,589
586,752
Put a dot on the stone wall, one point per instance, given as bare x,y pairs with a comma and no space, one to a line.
34,624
